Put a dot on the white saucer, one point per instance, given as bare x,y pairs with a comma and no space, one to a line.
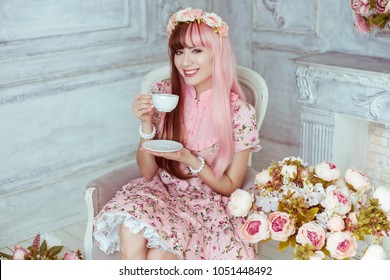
162,146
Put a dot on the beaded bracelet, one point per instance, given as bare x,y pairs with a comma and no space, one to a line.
145,135
196,171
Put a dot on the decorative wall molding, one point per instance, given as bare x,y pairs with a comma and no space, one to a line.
275,16
378,105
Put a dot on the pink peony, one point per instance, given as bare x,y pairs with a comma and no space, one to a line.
256,228
360,7
382,6
336,223
281,226
327,171
263,177
337,200
341,245
72,255
358,180
311,233
361,25
20,253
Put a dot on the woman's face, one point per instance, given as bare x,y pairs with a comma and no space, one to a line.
195,65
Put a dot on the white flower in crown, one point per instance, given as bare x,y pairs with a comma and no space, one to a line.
212,20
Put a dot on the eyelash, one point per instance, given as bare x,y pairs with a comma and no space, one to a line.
194,51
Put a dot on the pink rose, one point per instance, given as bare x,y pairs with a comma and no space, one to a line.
360,7
185,15
336,223
256,228
382,6
357,180
337,200
341,245
240,203
71,255
281,226
212,20
223,30
311,233
20,253
327,171
361,24
263,177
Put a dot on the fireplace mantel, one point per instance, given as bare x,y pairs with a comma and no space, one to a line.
340,94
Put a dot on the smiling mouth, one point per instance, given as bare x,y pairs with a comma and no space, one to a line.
190,73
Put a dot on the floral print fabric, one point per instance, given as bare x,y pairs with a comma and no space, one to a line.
185,217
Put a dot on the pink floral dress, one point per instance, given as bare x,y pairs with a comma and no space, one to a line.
185,217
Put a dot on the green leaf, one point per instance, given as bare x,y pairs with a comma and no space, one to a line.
8,257
283,245
311,213
43,248
55,250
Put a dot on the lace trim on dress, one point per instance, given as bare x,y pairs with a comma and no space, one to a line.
107,232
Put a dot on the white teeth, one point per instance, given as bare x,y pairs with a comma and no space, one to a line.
191,72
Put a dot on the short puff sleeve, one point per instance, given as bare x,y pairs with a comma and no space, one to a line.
245,133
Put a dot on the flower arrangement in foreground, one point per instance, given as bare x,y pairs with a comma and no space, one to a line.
314,210
49,249
371,14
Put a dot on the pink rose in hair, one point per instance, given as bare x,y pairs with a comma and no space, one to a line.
212,20
224,29
20,253
311,233
341,245
256,228
382,6
281,226
327,171
360,7
185,15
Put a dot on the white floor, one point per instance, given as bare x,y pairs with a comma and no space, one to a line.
71,236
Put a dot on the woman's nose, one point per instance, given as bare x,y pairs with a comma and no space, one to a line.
187,60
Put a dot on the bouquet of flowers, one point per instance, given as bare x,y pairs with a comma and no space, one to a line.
48,249
314,210
371,14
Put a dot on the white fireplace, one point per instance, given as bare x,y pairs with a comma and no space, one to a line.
345,112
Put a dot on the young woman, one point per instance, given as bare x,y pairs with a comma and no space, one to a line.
178,209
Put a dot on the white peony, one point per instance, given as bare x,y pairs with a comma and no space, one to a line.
240,203
383,196
374,252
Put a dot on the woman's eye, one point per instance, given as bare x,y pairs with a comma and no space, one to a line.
197,51
178,52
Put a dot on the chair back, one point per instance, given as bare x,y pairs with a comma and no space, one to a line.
252,83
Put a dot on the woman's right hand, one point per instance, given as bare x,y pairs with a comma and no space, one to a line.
143,107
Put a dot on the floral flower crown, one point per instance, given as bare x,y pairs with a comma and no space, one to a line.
191,15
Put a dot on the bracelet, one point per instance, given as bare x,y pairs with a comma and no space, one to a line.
196,171
145,135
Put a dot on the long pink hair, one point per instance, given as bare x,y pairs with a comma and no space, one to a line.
224,81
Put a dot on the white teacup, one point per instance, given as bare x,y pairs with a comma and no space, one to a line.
165,102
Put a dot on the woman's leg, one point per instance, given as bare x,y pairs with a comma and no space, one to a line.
154,254
132,246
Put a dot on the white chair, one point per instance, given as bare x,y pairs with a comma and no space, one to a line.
100,190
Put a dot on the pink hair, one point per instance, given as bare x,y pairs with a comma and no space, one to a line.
224,81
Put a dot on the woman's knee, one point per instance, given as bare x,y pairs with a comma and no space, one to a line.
132,246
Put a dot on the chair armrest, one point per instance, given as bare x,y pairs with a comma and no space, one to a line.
107,185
